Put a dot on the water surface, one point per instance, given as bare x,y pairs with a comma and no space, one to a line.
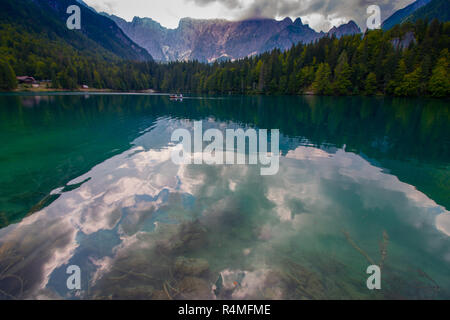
88,180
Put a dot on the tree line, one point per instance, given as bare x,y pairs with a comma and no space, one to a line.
411,59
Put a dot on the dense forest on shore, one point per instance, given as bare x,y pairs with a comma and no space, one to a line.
390,62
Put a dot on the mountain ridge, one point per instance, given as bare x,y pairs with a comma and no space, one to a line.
436,9
49,17
209,40
420,9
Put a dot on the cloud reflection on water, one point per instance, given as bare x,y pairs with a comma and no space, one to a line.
133,194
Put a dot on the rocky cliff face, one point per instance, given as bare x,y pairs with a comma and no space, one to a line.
213,40
345,29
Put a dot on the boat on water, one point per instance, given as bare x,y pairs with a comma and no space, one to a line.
178,97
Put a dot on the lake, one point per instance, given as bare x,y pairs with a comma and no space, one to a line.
88,181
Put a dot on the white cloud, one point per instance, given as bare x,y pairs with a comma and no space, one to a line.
320,14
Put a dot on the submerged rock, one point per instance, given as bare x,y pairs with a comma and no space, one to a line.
182,238
194,288
189,266
160,295
142,292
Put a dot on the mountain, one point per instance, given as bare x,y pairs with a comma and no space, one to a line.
217,39
401,15
420,9
346,29
436,9
98,33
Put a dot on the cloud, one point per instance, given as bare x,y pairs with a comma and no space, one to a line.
321,14
230,4
109,6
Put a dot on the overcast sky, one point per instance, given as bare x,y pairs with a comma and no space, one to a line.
320,14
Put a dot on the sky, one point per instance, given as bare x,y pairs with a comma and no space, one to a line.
321,15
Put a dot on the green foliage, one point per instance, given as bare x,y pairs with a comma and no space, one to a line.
439,85
321,84
369,64
371,84
342,84
410,86
7,76
436,9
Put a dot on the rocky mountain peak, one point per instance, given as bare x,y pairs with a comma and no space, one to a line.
349,28
209,40
298,22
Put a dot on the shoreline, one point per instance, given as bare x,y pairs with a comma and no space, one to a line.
22,90
90,90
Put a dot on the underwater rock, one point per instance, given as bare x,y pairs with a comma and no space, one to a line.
226,284
189,266
194,288
143,292
160,295
182,238
260,284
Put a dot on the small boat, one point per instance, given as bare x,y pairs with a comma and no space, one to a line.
176,97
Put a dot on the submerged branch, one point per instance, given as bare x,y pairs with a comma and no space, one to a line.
167,291
383,248
355,246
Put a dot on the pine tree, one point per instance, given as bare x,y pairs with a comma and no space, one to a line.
342,74
8,79
411,84
260,72
439,85
321,84
371,84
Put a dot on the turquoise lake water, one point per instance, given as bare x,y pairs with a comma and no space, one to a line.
88,180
